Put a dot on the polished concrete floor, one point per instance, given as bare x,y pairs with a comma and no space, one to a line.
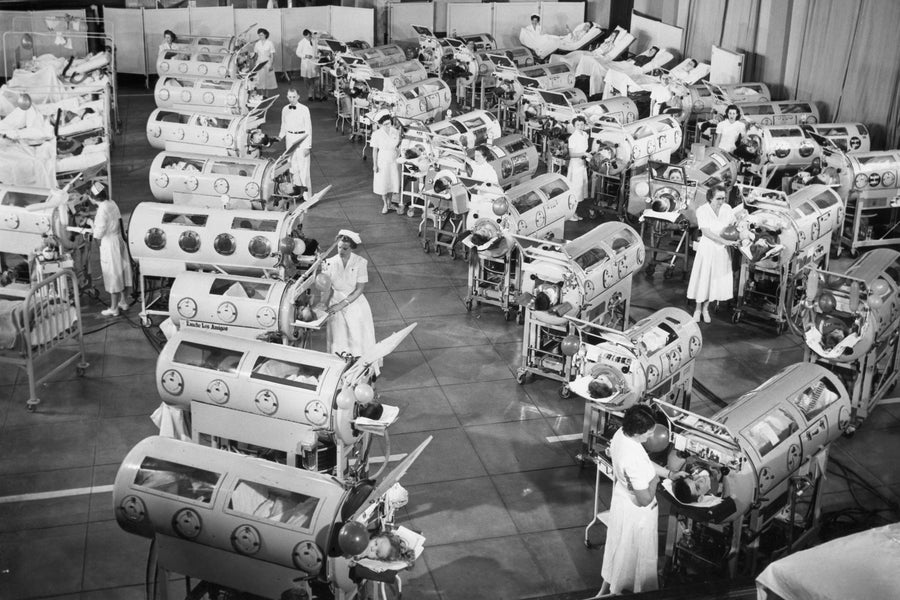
502,501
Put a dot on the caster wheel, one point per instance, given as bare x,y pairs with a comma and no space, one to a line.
80,371
425,247
736,317
668,273
854,253
453,253
146,322
565,392
520,317
437,250
507,316
469,304
32,407
588,545
780,328
521,377
592,214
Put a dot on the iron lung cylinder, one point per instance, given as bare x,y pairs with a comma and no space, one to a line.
849,313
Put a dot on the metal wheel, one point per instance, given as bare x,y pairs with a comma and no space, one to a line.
736,317
80,371
469,304
425,246
145,321
521,376
565,392
669,273
781,327
854,253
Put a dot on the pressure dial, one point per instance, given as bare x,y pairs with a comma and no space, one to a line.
266,316
316,413
187,308
187,523
173,382
266,402
227,312
245,539
218,391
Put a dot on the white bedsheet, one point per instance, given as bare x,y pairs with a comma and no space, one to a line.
21,164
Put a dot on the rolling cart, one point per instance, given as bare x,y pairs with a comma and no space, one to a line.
444,220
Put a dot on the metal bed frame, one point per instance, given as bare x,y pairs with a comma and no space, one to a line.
55,327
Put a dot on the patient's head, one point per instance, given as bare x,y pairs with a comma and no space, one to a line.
387,547
690,489
601,387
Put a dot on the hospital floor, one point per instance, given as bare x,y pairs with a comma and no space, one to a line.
498,493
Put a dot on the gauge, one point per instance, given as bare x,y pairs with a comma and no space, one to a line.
162,180
316,413
888,179
608,278
218,391
307,557
187,523
187,308
192,183
133,508
155,239
11,221
266,316
861,180
652,376
246,540
227,312
172,382
266,402
694,346
221,185
252,190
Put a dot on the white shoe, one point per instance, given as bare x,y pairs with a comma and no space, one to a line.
112,311
574,218
706,318
696,316
385,210
124,306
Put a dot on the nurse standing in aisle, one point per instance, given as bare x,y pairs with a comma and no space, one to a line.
385,142
577,173
351,328
711,277
114,262
296,126
630,556
265,52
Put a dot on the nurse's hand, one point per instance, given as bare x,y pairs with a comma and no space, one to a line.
338,307
676,475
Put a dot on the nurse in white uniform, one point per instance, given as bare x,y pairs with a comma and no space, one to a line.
265,52
114,262
482,169
711,277
729,131
385,142
630,556
351,328
296,126
578,152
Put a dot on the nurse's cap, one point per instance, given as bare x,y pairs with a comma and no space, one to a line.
350,235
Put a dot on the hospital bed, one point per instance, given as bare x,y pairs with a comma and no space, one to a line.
585,37
36,321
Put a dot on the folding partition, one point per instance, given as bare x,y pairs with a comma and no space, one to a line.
217,21
348,24
401,18
465,19
128,24
37,21
556,16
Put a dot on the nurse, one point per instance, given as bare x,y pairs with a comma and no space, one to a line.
385,142
265,52
170,40
351,328
711,277
114,262
482,169
578,152
630,557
